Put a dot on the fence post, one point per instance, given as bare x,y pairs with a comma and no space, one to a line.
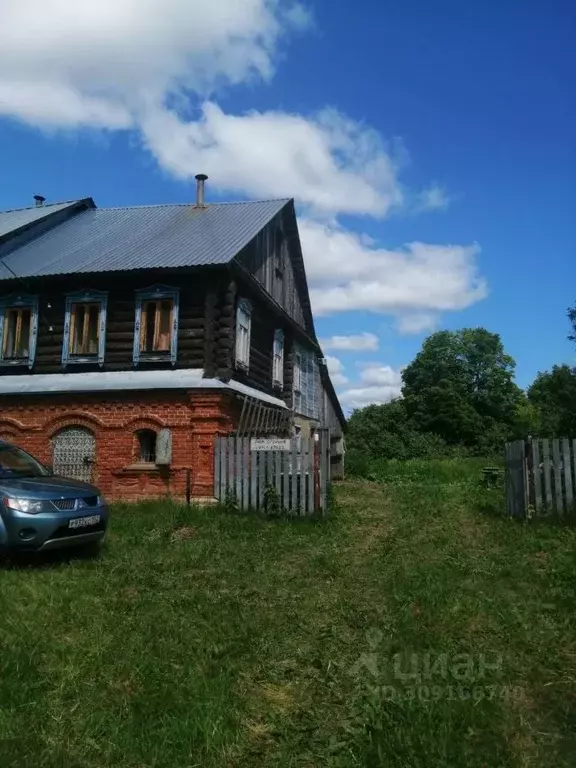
515,479
529,495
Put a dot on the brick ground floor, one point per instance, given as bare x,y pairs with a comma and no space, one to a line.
113,423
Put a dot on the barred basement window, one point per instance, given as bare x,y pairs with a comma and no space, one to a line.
146,446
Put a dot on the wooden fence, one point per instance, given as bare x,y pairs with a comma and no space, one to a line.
275,475
541,477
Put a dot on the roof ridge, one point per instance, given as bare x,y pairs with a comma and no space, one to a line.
39,207
191,205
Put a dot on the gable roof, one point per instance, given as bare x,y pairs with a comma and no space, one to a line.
144,237
11,222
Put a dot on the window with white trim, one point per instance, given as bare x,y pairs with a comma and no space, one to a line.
18,330
243,329
297,381
85,327
297,372
278,361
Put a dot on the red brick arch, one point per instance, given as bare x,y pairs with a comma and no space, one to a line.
56,424
144,422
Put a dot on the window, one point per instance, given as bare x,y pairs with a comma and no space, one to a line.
297,372
85,328
156,325
278,363
155,330
146,446
243,326
18,330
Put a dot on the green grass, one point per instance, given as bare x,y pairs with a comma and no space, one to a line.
200,638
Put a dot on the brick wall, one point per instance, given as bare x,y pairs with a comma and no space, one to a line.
194,419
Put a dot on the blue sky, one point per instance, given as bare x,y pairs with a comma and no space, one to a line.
451,125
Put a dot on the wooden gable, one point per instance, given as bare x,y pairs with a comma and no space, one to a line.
274,258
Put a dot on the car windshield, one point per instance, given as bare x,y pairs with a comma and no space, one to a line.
17,463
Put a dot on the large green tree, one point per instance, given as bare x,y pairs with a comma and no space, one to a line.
386,432
553,394
572,318
461,386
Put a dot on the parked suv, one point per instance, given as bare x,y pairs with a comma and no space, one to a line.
41,512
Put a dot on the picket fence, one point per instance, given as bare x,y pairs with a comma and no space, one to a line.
541,477
290,476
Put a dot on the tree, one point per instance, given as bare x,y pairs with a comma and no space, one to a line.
386,432
461,387
572,318
553,394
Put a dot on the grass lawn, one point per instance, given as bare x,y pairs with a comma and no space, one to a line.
414,628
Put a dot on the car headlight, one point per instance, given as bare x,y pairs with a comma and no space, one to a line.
101,501
28,506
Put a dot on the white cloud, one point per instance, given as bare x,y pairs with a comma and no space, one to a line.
336,371
378,384
347,273
417,323
128,52
362,342
381,376
434,198
154,67
331,163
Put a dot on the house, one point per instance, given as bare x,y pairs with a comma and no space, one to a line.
131,337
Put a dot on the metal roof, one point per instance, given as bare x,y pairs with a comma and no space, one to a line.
118,239
21,217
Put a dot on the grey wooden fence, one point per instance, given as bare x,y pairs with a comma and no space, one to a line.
294,480
541,477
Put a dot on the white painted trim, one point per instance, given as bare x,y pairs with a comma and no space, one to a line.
116,381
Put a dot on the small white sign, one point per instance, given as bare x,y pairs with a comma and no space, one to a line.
269,444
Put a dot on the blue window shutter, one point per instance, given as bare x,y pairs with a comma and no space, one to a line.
278,351
102,334
33,334
174,340
137,329
66,340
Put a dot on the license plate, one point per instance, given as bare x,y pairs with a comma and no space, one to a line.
83,522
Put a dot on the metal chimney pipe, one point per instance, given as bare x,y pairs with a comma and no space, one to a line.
39,200
201,178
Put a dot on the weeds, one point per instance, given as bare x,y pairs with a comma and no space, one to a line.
204,638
